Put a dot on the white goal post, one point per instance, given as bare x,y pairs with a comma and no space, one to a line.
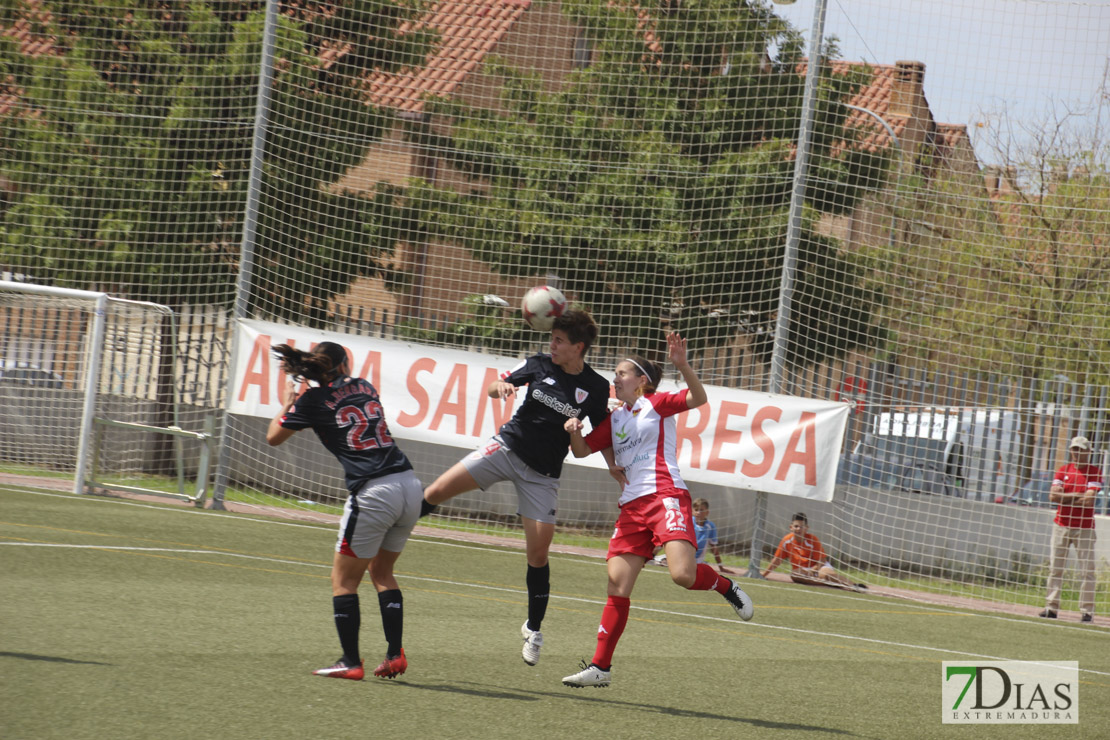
87,357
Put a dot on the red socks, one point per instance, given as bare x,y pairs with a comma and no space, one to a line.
613,619
708,579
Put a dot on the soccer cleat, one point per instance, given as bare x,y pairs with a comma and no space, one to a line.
341,670
861,588
590,675
1087,617
1048,614
392,667
740,601
533,641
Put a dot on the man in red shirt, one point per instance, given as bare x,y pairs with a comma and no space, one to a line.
1074,490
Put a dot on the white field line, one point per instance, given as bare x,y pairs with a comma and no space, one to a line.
668,612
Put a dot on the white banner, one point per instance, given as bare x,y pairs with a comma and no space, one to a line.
739,439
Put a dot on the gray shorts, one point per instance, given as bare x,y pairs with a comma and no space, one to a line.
536,494
380,516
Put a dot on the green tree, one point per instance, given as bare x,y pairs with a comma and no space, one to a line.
1010,279
656,182
127,155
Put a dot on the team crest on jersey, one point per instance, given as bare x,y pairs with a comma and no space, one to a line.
580,395
671,504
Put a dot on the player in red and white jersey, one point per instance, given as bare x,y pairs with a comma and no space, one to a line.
655,505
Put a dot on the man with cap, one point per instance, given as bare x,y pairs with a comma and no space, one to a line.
1074,490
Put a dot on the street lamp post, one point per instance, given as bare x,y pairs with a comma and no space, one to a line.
898,180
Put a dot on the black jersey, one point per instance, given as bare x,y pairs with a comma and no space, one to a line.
348,418
535,433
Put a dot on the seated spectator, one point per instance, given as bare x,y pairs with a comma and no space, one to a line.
808,562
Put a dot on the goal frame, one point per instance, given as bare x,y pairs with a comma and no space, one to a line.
88,440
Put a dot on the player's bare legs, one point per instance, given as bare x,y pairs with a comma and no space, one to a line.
681,562
623,571
456,480
537,538
381,570
346,574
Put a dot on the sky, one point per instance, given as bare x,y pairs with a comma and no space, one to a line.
986,61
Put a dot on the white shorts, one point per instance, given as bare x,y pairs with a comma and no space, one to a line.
380,516
537,495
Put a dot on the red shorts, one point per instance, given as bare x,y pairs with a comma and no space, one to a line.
647,522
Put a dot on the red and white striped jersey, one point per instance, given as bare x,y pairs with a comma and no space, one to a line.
645,443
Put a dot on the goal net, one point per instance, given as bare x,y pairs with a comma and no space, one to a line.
89,391
896,216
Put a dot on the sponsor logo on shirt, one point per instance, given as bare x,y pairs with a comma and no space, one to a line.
549,381
554,403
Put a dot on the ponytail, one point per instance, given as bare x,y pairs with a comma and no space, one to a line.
321,365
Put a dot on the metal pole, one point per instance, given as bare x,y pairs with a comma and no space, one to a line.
250,232
790,254
92,380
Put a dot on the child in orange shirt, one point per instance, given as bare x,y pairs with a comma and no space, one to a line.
808,562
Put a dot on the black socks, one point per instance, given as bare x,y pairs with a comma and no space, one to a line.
393,620
539,586
347,621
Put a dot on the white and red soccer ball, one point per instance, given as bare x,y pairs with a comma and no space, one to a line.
542,305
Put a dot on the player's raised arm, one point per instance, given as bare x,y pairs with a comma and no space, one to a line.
676,350
276,434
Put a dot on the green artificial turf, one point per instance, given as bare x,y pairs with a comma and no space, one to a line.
124,619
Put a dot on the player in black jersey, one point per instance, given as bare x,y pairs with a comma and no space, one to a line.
529,450
385,494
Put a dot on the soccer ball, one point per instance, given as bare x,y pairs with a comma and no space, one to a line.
541,305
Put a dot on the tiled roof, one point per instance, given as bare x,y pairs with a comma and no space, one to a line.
874,97
950,134
469,29
21,30
30,44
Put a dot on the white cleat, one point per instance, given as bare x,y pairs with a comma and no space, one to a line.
533,641
590,675
740,601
